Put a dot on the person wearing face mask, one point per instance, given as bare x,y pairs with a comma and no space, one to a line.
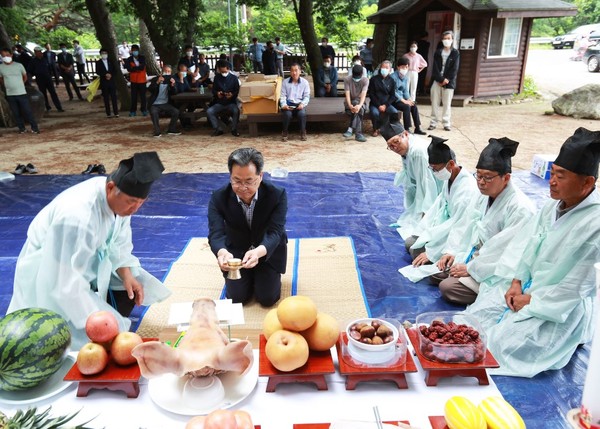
403,102
366,55
328,78
79,55
255,51
416,64
52,64
356,86
204,71
444,70
356,61
13,76
270,60
226,87
191,64
382,91
136,66
66,63
161,89
280,51
39,68
106,69
326,49
181,79
459,188
420,187
495,217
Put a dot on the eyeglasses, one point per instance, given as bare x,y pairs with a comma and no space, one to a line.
244,183
486,179
438,169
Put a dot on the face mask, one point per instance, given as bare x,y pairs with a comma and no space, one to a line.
324,43
402,71
356,79
7,59
189,53
224,74
384,72
135,53
413,49
447,43
443,175
64,50
104,56
357,63
326,65
182,73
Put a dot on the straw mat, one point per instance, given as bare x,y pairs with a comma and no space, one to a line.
324,269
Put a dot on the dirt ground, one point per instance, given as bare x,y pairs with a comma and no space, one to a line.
83,135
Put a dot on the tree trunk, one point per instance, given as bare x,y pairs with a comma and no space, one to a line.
384,38
4,37
147,50
8,3
105,33
190,25
304,16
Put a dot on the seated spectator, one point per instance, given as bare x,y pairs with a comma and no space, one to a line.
382,92
328,78
182,83
356,86
66,64
161,89
356,61
403,102
226,88
539,308
270,60
191,64
105,69
204,71
295,95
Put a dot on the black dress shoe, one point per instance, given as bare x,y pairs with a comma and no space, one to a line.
20,169
90,169
235,133
217,133
100,169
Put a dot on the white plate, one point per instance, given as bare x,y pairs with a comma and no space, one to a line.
45,390
166,391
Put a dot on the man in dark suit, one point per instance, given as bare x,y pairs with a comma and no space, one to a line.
66,63
246,220
52,64
106,69
38,67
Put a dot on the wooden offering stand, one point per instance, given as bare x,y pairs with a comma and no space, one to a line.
114,377
438,370
357,372
438,422
319,364
326,425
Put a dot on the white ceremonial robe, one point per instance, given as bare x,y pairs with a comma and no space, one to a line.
450,206
420,187
491,229
73,244
558,256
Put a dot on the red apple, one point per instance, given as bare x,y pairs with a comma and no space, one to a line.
92,359
122,345
101,326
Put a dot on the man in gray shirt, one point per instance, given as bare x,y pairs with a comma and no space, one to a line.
355,89
79,55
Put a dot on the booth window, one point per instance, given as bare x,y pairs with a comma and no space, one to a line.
504,37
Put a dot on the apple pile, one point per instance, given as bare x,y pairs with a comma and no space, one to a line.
293,329
102,329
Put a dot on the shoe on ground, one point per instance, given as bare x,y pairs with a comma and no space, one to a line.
23,131
157,134
216,133
420,132
360,138
35,131
284,136
447,128
431,127
235,133
20,169
347,134
109,116
90,169
30,168
174,133
100,169
116,115
60,110
375,133
303,136
144,113
132,114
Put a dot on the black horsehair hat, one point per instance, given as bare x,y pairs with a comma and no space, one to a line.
496,156
390,130
580,153
134,176
439,152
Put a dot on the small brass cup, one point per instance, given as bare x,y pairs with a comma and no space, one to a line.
235,264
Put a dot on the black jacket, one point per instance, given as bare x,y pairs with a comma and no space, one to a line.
153,90
101,71
65,59
382,91
228,228
451,69
230,83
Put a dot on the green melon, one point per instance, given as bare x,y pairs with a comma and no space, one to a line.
33,345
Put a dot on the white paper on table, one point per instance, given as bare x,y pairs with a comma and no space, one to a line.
352,424
414,274
192,69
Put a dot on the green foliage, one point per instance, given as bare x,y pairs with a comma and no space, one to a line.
17,27
58,36
529,89
588,12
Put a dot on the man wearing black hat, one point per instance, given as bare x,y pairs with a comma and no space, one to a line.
77,258
493,220
421,188
429,241
540,306
355,92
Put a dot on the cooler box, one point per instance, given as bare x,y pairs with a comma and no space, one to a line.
542,163
260,96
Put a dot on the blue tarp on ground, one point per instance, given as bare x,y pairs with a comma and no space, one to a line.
360,205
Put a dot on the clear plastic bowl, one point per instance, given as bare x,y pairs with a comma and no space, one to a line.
439,350
279,172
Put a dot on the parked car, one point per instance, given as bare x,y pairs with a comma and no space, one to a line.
568,40
591,57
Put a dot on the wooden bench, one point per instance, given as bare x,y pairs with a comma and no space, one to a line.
319,109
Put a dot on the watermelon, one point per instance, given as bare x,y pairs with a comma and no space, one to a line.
33,345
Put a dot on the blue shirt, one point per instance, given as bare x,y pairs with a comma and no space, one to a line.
256,51
401,86
294,93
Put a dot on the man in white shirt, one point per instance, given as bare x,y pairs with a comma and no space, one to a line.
124,51
295,95
79,55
